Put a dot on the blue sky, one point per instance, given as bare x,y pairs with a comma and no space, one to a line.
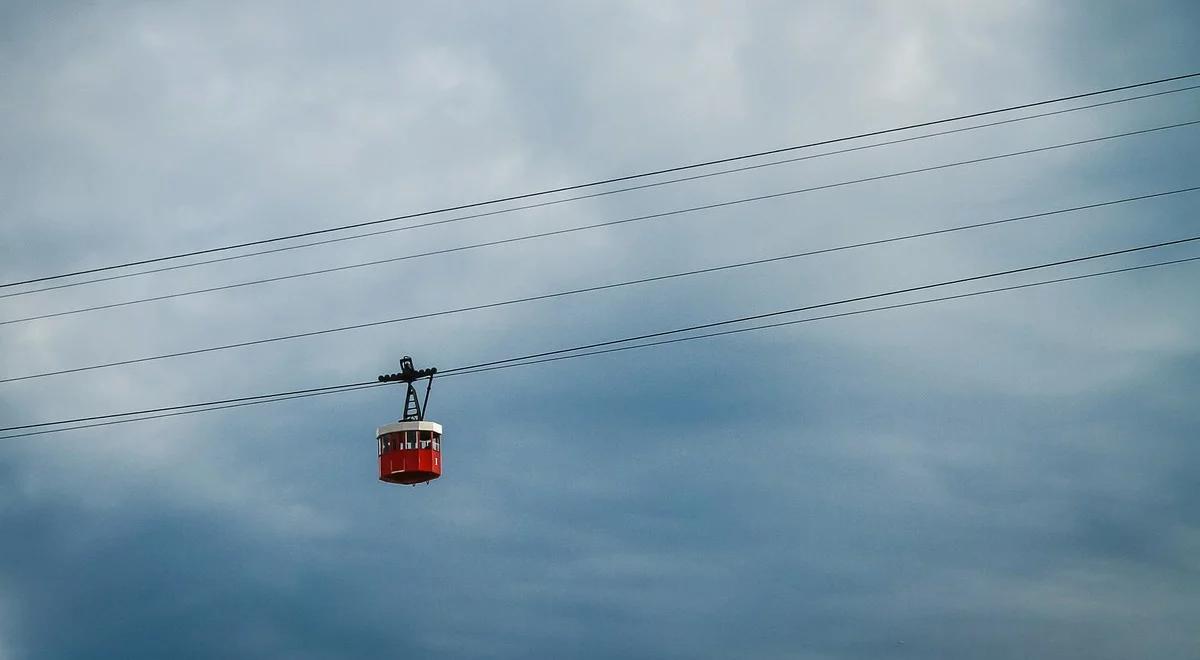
1004,476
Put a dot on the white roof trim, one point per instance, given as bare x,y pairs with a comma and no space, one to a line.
409,426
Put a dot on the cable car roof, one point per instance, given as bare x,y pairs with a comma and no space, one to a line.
411,425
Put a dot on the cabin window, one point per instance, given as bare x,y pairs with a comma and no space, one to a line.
425,439
379,441
410,439
437,441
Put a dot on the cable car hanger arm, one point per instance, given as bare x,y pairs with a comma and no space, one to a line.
414,408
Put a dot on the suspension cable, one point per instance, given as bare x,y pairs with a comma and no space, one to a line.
611,180
266,398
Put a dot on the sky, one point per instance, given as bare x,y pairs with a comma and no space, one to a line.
1010,475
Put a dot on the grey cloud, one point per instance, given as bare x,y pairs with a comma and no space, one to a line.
1011,475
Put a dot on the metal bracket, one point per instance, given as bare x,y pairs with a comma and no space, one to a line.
414,408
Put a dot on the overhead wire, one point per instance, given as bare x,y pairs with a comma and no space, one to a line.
481,366
257,402
602,287
601,182
361,386
240,399
603,193
806,308
611,223
780,324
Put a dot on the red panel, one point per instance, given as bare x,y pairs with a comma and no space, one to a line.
409,466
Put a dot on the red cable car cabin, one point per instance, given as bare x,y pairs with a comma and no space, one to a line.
410,452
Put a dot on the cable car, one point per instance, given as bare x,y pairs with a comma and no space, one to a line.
410,450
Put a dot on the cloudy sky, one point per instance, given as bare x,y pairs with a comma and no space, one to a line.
1005,476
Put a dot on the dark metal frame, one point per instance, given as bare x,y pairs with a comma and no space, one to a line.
414,408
